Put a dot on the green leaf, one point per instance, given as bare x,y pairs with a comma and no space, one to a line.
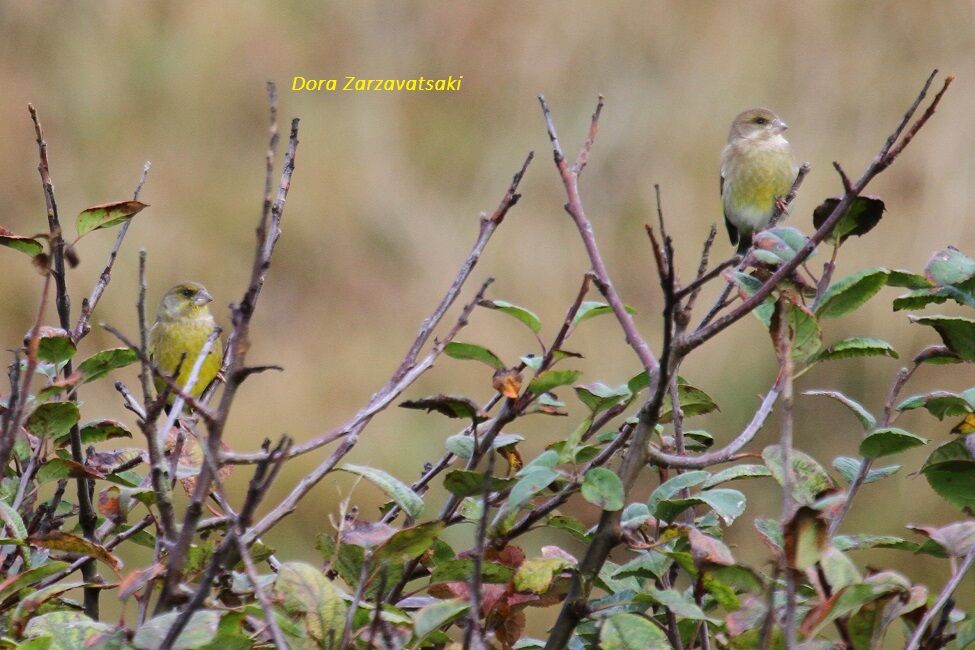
858,542
522,314
530,484
304,590
950,471
13,521
591,309
599,397
552,379
536,576
107,215
866,418
27,245
97,431
770,531
863,214
859,346
907,280
847,294
199,630
435,616
635,515
727,504
921,298
449,405
849,468
949,267
839,569
408,543
473,352
395,489
807,335
461,569
941,403
603,488
99,365
59,468
462,445
777,245
54,344
693,401
14,583
678,603
810,479
570,525
957,333
672,486
887,441
651,564
465,483
626,631
737,472
65,629
53,420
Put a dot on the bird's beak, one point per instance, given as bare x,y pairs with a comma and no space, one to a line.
779,126
203,297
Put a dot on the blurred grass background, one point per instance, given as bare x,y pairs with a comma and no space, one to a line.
388,187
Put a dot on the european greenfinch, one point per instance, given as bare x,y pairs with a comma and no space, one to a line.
757,172
183,323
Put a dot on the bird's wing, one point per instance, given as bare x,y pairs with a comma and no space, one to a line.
155,332
732,230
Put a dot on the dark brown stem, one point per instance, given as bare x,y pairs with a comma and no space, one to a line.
87,517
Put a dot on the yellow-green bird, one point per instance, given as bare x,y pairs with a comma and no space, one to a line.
757,172
183,323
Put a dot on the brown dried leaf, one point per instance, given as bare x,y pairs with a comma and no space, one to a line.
67,543
136,580
507,382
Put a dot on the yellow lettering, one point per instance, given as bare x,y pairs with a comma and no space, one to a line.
295,83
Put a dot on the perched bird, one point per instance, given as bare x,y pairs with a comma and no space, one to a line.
183,323
757,172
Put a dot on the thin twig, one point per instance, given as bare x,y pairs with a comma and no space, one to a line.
88,304
408,368
87,517
943,597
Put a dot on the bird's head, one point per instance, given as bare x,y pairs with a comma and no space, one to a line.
185,300
756,124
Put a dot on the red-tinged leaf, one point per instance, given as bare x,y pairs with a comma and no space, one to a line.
15,583
507,382
107,215
136,580
708,549
806,538
367,534
27,245
54,344
56,540
110,505
956,539
61,468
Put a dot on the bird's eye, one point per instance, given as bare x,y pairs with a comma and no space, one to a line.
187,293
761,121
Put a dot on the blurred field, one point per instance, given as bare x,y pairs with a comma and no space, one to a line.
388,187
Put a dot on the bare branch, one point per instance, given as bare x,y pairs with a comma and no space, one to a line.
570,178
943,597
